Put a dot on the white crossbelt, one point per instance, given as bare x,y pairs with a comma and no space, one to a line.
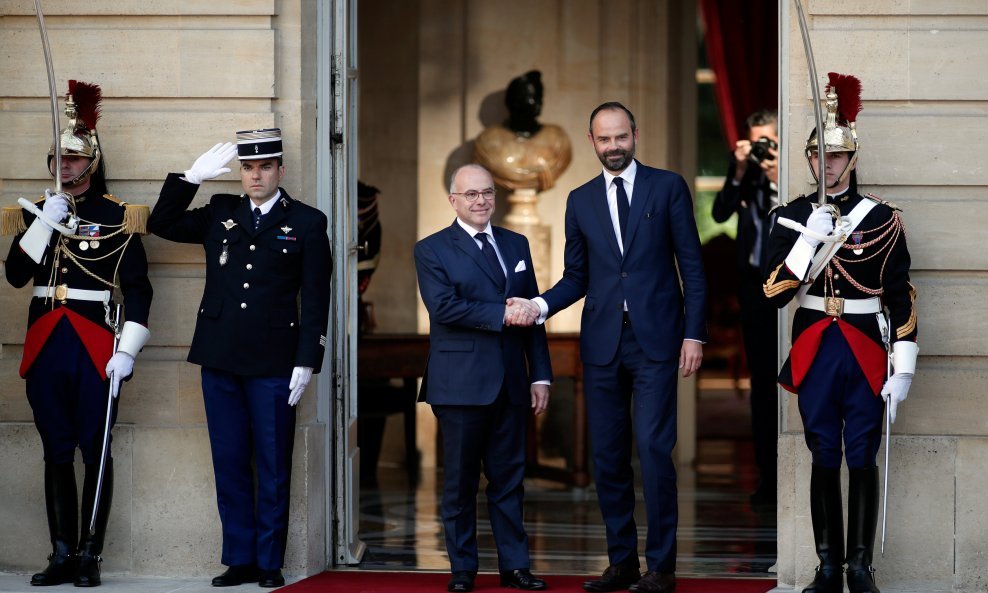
852,306
63,292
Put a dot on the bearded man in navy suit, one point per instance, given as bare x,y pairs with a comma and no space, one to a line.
628,231
482,375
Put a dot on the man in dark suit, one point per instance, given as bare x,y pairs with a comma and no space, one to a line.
258,347
477,381
751,191
638,326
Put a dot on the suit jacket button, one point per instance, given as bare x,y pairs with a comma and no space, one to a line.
243,305
624,274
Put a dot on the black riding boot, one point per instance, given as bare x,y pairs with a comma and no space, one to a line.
61,504
828,530
862,519
91,544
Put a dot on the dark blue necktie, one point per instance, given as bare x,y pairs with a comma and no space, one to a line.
257,217
624,209
488,250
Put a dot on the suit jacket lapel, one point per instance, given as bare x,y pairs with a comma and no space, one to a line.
507,254
640,198
463,241
603,213
243,215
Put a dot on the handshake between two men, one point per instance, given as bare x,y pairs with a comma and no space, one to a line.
521,312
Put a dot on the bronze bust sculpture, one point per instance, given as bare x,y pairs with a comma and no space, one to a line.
522,153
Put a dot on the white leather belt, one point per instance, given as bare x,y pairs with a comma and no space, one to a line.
63,292
836,306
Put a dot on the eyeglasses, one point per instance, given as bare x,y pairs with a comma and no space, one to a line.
472,195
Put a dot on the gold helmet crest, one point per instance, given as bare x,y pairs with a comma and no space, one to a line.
840,129
78,137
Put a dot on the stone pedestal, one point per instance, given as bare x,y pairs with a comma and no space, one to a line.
523,217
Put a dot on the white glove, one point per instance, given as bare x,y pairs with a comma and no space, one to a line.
212,163
821,222
120,367
895,391
55,208
300,380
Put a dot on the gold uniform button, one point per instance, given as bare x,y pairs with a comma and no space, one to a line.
253,247
837,292
243,305
250,266
65,270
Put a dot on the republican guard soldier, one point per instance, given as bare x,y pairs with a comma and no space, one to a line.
68,350
856,309
260,335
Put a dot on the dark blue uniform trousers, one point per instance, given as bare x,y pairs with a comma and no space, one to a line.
68,398
493,435
249,415
648,387
835,400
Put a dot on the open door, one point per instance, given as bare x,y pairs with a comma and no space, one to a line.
336,105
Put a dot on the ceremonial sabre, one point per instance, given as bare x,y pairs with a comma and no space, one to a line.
817,110
115,326
52,95
888,434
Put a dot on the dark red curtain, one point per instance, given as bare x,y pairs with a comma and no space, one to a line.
742,42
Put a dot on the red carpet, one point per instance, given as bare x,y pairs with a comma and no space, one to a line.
354,581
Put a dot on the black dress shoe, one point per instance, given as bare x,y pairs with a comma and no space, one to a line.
237,575
523,579
655,582
617,577
271,578
461,582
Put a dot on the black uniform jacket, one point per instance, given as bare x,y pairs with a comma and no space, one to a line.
101,216
265,307
882,265
751,197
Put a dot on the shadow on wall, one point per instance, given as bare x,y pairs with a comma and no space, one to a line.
492,112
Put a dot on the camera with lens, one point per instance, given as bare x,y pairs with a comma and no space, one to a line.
759,149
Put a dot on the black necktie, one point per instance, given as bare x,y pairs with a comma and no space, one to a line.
488,250
257,217
624,209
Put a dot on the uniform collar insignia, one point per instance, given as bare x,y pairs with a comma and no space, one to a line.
284,203
286,229
229,223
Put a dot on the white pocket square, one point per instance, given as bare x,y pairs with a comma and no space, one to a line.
520,267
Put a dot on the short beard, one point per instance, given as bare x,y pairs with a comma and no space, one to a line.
621,165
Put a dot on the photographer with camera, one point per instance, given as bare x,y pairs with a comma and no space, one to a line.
751,191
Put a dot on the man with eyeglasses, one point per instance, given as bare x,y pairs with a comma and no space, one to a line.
477,379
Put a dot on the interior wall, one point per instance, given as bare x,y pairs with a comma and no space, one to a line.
388,38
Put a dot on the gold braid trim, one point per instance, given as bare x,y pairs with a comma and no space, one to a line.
136,219
12,221
772,288
910,324
136,216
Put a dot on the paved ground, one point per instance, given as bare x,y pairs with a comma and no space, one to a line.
20,583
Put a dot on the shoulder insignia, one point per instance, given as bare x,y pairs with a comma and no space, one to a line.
12,220
39,200
135,220
114,199
878,200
